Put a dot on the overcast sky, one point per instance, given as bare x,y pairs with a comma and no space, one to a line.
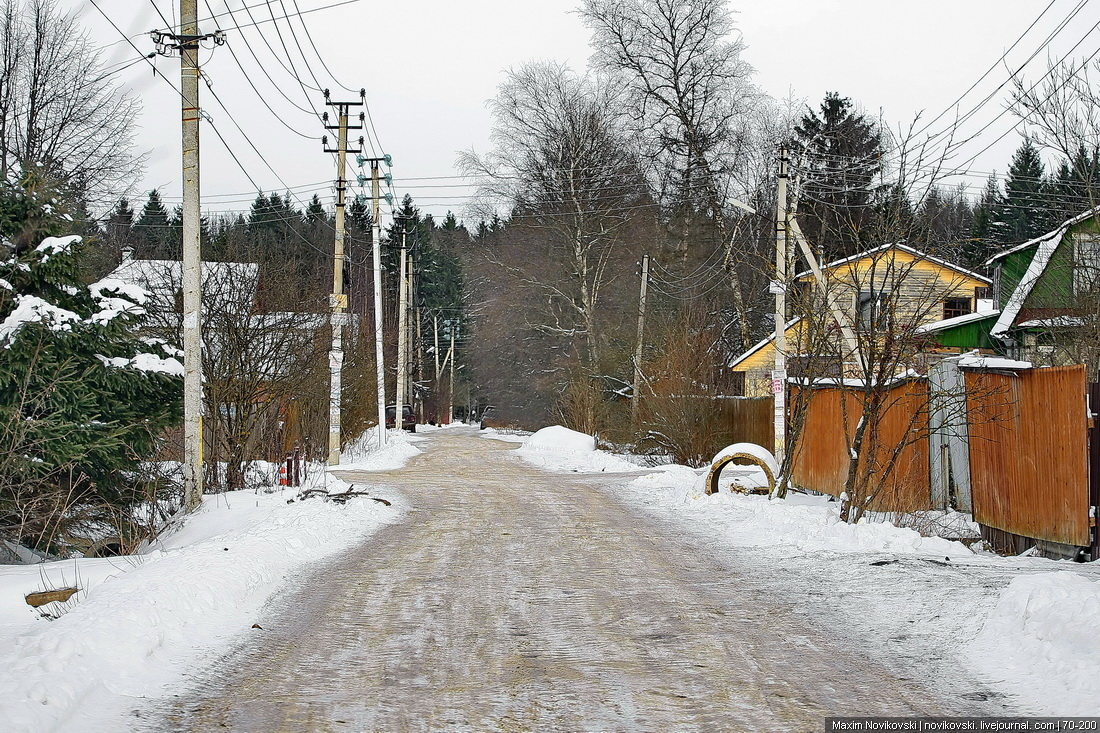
429,66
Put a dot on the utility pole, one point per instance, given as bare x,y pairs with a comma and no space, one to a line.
779,287
435,332
638,348
419,343
339,300
379,360
187,43
402,333
451,391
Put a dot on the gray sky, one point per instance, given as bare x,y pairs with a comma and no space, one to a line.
429,66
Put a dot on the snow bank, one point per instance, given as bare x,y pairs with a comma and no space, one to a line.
557,448
799,523
142,622
560,438
1041,640
364,454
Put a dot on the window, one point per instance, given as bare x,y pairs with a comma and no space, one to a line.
953,307
1086,262
874,310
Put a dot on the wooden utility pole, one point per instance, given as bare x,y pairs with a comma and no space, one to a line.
339,300
637,392
779,287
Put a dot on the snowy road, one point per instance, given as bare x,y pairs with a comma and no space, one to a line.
513,599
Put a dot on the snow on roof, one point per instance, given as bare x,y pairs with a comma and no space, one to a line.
762,343
978,361
955,321
905,248
1047,245
1061,231
907,375
165,275
1056,322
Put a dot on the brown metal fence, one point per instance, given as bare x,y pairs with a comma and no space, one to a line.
1029,453
821,460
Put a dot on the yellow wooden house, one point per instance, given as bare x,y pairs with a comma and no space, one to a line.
890,290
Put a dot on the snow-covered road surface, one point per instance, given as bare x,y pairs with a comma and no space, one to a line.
516,599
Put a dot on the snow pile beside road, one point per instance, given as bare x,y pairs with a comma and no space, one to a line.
560,449
141,623
365,455
800,523
560,438
1041,638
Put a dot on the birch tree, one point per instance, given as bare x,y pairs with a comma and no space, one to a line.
59,114
562,166
688,99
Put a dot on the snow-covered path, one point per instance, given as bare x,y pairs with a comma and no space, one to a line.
516,599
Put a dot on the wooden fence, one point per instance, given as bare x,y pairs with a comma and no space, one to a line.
1029,453
747,420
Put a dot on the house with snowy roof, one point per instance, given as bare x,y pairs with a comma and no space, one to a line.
886,289
1048,291
226,286
254,359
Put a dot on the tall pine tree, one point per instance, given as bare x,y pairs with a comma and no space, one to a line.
1027,208
841,162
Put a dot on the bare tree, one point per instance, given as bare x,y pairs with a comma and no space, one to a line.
565,170
1062,111
257,359
688,99
60,115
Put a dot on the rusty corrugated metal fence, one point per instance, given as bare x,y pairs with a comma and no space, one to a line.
1029,453
822,460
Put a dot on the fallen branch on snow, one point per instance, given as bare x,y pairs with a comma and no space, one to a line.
340,498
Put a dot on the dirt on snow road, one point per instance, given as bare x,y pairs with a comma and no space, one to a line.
512,599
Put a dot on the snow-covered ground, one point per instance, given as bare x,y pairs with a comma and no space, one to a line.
1021,627
139,622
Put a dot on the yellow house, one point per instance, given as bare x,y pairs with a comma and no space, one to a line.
886,295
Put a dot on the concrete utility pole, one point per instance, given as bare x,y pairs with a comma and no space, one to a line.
187,43
451,391
779,373
339,300
634,403
192,256
379,360
402,334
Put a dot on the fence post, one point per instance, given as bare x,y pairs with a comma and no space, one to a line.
1094,464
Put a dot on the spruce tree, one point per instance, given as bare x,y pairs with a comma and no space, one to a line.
841,161
154,234
83,399
1027,208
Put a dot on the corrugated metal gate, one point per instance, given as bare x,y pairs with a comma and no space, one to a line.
948,451
1029,453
